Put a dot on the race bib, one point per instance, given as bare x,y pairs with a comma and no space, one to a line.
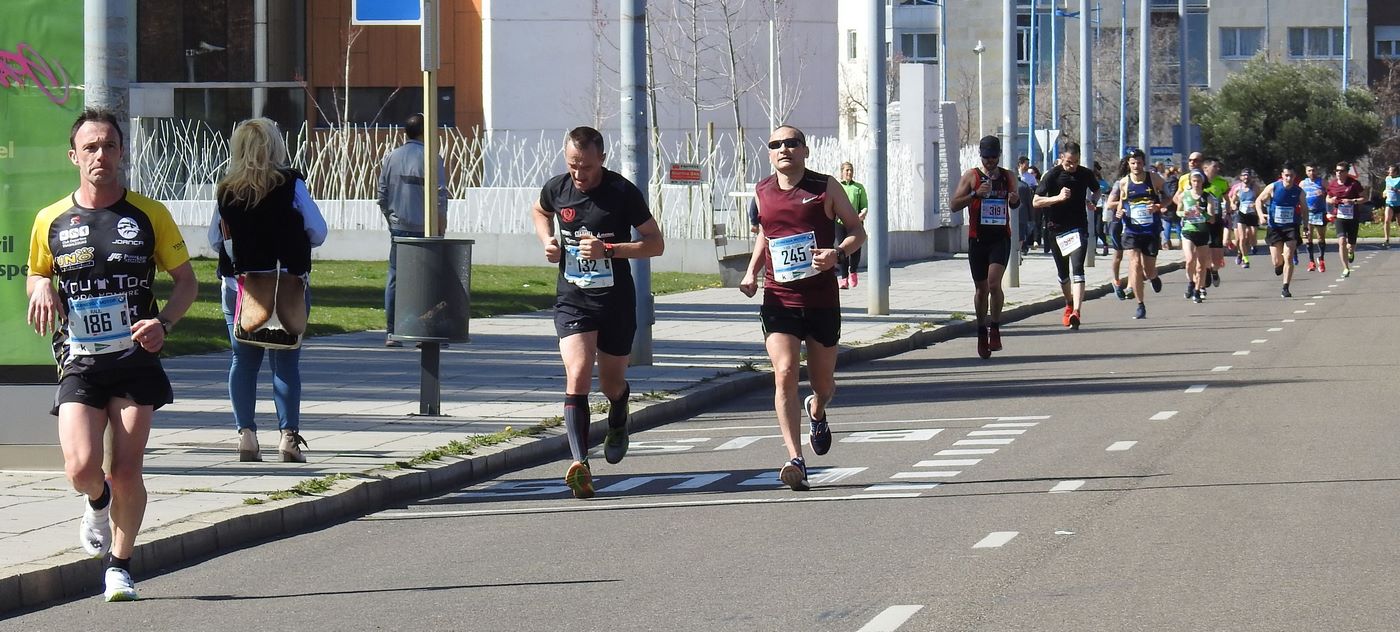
1194,216
1068,242
1346,211
792,256
1283,214
993,212
587,273
99,325
1140,213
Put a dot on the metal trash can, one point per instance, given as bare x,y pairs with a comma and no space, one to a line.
432,293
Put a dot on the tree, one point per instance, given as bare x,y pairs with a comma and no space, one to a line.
1274,113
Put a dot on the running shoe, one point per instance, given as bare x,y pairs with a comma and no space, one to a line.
794,475
1198,298
1069,311
1156,284
845,285
820,433
855,278
119,586
1278,269
1321,265
580,480
1285,293
984,351
994,337
1239,260
1246,264
1118,291
1074,320
615,445
1312,266
1202,290
1190,290
1215,278
95,530
1351,257
1385,245
1128,292
1346,273
1141,312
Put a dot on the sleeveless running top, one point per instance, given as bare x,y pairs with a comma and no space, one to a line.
1246,197
989,219
1138,218
795,223
1283,206
1316,194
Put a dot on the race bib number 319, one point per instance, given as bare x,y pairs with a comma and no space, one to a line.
99,325
993,212
792,256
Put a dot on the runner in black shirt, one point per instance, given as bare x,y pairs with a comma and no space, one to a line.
595,313
1064,193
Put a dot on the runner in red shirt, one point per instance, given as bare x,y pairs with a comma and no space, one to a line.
1344,195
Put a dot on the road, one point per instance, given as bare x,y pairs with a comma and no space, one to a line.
1224,466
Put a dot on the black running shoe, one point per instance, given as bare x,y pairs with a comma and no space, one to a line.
1141,312
820,433
1285,293
794,475
615,444
1156,284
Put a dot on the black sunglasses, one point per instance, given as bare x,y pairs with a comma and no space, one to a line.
790,143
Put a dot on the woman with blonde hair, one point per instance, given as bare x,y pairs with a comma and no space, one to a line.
264,229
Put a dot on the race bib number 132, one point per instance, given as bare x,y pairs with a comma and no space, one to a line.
586,273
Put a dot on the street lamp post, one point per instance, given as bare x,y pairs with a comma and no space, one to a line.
978,49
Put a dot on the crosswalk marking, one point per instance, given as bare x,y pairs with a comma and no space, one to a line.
1196,388
965,452
984,442
995,433
1163,416
890,619
996,539
1066,486
1120,446
926,474
947,462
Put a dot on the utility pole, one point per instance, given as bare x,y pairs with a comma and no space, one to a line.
1009,93
1144,80
1030,110
877,188
1184,85
105,58
1123,80
634,159
1346,43
1087,132
942,52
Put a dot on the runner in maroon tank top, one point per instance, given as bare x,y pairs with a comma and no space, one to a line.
796,250
988,192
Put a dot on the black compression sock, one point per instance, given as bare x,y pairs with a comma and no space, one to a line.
117,562
576,424
103,500
617,408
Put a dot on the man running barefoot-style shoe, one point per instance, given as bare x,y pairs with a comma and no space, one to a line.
988,192
796,251
584,220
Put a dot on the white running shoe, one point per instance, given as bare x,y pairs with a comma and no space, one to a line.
95,531
119,586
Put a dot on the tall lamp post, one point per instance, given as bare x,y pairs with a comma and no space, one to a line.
979,49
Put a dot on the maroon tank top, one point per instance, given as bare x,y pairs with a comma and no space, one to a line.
794,212
1000,191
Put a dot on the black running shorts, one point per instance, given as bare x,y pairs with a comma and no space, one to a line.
147,386
822,324
1146,243
1281,235
1217,234
615,326
982,254
1347,228
1198,238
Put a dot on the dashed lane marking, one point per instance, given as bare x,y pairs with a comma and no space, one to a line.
1066,486
1196,388
900,487
1163,416
996,539
1274,329
1258,341
1012,425
1290,320
947,462
1300,311
995,433
965,452
984,442
1242,353
1309,304
1221,369
928,474
1120,446
890,619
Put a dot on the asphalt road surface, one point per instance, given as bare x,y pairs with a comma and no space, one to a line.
1224,466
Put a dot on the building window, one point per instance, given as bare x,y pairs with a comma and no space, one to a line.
1318,42
1240,43
380,106
851,44
1023,45
1388,42
919,47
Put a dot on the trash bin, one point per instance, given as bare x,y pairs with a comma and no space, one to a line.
432,295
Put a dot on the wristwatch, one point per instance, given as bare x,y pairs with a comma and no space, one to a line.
841,256
165,323
608,251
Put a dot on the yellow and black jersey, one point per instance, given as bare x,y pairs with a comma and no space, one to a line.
110,252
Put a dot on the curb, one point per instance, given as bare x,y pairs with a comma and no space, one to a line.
71,575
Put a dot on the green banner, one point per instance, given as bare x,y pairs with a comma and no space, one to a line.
41,64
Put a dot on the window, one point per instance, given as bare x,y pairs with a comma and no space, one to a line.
851,44
1388,42
1023,45
1320,42
919,46
1240,43
380,106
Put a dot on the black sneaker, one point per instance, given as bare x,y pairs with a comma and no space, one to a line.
615,444
1285,293
1199,297
1156,284
794,475
1190,291
1118,291
1215,278
820,433
1141,312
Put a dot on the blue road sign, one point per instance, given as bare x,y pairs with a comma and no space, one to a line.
386,12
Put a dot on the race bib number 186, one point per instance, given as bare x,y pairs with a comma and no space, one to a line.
99,325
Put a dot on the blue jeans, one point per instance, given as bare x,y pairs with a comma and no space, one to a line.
389,287
243,373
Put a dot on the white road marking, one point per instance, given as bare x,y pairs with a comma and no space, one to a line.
929,474
1300,311
1120,446
1012,425
1333,285
1221,369
1327,291
854,423
890,619
1025,418
885,436
1258,341
1290,320
1274,329
741,442
1319,296
688,481
1066,486
1163,416
815,476
947,462
900,487
1309,304
996,539
983,442
966,452
1242,353
995,433
601,506
1196,388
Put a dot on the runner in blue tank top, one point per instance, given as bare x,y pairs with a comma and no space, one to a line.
1392,200
1241,200
1137,198
1280,207
1315,194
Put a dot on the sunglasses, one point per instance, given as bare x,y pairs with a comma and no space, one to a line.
790,143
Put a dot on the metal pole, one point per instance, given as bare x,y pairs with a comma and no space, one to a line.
1123,80
1054,66
942,51
772,68
1009,103
1030,111
981,103
259,55
105,58
878,302
1346,43
1144,80
430,358
1087,134
635,162
1182,84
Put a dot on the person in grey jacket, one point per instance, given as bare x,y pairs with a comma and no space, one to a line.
401,201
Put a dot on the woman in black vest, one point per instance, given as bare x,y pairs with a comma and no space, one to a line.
266,223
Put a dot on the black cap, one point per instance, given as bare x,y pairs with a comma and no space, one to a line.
989,147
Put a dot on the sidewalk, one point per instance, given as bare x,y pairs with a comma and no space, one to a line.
358,405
